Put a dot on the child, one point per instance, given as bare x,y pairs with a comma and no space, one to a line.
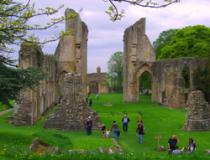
107,133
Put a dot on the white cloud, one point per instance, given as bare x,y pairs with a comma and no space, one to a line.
106,37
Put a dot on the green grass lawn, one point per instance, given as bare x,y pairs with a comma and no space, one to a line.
158,120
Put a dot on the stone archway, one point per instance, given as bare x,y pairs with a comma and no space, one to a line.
146,67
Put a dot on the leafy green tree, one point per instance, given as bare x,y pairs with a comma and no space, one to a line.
163,40
202,80
16,27
192,41
15,22
12,80
115,71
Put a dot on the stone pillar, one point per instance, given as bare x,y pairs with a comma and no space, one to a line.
71,52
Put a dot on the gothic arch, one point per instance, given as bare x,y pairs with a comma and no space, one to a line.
146,67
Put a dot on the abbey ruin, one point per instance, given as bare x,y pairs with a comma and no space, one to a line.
67,82
168,84
97,82
70,57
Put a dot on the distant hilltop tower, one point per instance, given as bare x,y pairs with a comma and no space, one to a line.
98,69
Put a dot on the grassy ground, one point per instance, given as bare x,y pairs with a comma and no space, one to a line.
15,141
158,120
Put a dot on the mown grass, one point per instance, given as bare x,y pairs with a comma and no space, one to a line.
158,120
15,141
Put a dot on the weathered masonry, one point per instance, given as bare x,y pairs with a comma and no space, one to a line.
97,82
71,52
70,57
72,112
168,83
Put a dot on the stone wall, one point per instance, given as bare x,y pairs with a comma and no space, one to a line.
34,102
71,52
97,82
198,112
72,112
137,49
168,84
70,57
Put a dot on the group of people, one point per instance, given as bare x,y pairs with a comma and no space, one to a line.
115,128
174,149
172,142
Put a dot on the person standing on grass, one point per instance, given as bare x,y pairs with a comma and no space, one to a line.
125,121
116,131
97,95
90,101
89,125
140,131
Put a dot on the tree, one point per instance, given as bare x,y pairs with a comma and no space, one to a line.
117,15
12,80
16,24
115,71
15,27
201,80
163,40
192,41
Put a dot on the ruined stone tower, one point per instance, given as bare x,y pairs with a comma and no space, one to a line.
70,57
71,52
137,51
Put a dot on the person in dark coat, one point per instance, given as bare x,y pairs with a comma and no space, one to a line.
116,131
89,125
90,102
140,132
103,129
125,121
172,144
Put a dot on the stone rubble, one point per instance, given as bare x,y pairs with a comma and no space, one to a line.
198,112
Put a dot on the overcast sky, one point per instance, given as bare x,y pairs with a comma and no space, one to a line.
106,37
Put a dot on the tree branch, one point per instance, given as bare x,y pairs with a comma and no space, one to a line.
116,15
